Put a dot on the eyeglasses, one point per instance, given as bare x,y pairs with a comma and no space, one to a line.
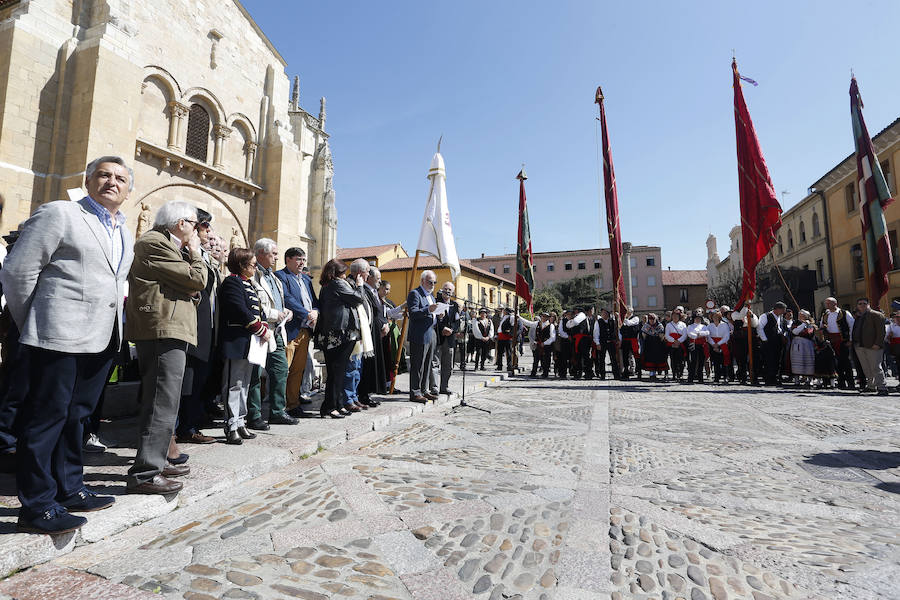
431,281
194,223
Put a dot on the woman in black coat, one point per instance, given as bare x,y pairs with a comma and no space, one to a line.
337,329
240,320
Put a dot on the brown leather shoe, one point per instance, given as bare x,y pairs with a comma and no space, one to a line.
419,399
176,471
157,485
430,396
194,438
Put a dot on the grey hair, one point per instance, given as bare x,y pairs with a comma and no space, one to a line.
426,273
264,245
360,265
91,168
170,213
374,272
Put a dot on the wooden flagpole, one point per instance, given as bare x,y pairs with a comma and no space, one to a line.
403,328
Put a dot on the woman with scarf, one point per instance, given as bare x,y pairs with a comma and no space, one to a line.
803,349
337,330
654,357
364,347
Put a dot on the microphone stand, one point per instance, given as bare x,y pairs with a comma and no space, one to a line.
463,404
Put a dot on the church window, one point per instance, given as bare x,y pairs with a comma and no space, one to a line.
817,231
850,197
197,133
790,240
802,233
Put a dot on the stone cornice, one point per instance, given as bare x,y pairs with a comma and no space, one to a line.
175,162
883,140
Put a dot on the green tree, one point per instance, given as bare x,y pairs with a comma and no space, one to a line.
580,291
547,299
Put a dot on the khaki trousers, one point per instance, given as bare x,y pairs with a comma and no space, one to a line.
296,351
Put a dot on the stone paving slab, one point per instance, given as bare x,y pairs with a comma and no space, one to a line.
216,468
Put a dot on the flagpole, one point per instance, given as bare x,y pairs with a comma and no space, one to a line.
865,257
405,320
751,374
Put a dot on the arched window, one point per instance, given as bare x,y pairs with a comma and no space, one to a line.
816,230
802,232
780,246
197,133
790,240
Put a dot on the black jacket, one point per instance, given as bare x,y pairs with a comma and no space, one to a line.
335,301
239,316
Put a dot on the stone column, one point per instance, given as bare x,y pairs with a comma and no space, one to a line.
626,271
220,134
250,151
177,113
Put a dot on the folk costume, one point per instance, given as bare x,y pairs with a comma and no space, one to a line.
719,350
837,325
655,355
631,350
676,336
605,336
579,329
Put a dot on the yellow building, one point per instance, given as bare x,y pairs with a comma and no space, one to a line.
375,255
192,95
474,286
839,187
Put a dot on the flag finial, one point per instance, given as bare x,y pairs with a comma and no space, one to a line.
522,176
598,97
439,143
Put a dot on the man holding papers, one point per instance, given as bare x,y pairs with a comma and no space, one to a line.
422,309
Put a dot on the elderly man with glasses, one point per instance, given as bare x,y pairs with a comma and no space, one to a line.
165,286
422,340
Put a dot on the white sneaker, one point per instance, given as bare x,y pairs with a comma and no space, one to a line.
94,445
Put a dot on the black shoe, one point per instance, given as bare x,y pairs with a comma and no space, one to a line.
298,413
372,403
178,460
258,425
233,437
282,419
53,521
86,501
246,435
344,412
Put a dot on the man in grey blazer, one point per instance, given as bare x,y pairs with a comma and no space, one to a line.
64,285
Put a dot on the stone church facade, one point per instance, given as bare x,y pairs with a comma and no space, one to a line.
190,92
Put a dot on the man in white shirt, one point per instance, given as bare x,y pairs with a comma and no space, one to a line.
771,332
838,324
542,335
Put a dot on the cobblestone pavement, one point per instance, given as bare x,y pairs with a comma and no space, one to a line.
568,490
758,493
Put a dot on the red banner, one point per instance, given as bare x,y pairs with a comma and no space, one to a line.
760,211
612,213
524,257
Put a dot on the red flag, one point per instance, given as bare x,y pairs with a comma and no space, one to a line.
612,213
524,257
760,211
874,197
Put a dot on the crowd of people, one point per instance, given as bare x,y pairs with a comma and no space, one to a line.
85,301
705,345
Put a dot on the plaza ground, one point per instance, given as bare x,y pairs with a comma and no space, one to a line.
567,490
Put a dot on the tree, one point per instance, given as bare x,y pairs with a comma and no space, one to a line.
580,291
728,290
547,300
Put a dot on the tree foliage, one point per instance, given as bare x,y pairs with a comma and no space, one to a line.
580,291
547,300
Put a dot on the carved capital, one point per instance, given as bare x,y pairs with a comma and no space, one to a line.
250,147
221,131
177,109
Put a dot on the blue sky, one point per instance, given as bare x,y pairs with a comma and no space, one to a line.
513,82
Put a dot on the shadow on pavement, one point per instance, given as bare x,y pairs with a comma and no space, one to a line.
853,460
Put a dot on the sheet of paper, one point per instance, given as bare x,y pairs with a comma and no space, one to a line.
442,307
259,350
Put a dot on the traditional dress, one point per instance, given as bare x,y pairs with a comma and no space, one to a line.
631,351
803,350
655,351
676,336
719,349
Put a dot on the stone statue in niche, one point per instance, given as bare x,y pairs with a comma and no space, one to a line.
235,241
145,222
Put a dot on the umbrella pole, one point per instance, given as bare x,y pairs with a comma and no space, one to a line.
403,328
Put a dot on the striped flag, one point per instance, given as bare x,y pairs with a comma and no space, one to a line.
874,197
612,212
524,256
760,211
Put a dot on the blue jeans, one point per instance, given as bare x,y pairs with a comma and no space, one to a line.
351,380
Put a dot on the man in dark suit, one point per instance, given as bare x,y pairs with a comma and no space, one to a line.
65,285
372,379
421,305
200,365
446,328
300,298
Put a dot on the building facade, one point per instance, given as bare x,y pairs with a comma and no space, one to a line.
375,255
685,288
191,93
554,267
474,286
